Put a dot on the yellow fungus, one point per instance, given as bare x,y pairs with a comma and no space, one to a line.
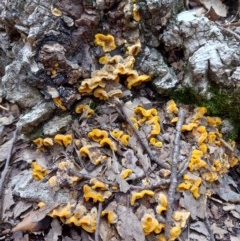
174,120
189,126
98,184
100,94
211,137
65,140
38,172
107,42
233,162
111,216
84,151
155,125
103,60
88,85
180,217
214,121
97,135
195,188
138,195
162,203
199,113
149,224
153,141
89,193
59,104
172,107
136,15
53,181
84,109
56,12
203,148
108,142
89,221
196,162
126,173
174,233
134,49
62,211
146,113
134,81
47,141
210,176
119,135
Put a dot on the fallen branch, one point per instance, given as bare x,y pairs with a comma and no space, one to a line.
98,221
120,109
151,187
173,178
5,170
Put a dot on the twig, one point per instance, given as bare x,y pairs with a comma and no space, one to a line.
5,170
226,30
120,109
151,187
4,108
98,221
173,178
206,221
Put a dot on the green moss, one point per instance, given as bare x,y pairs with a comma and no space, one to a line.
223,103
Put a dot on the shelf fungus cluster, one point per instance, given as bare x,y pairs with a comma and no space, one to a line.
116,159
106,82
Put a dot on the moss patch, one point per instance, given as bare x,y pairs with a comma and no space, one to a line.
223,103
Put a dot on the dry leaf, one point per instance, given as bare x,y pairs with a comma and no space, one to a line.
200,227
219,232
55,232
128,225
217,5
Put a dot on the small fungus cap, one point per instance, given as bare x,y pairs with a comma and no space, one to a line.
107,42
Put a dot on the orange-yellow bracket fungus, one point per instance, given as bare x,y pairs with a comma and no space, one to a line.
48,141
195,187
98,184
174,233
149,224
203,134
180,217
153,141
89,193
172,107
84,109
134,49
189,126
103,60
233,161
62,212
155,125
38,172
163,203
214,121
123,138
97,135
135,81
39,144
136,15
108,142
211,137
210,176
126,173
88,85
65,140
139,110
111,216
84,151
100,94
199,113
89,221
59,104
107,42
138,195
196,162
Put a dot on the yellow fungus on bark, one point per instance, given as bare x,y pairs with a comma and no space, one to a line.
139,195
107,42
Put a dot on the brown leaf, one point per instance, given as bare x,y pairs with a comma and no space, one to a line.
32,222
128,225
219,8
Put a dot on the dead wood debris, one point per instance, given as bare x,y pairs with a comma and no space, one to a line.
173,178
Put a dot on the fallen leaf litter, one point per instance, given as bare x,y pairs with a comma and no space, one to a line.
133,163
